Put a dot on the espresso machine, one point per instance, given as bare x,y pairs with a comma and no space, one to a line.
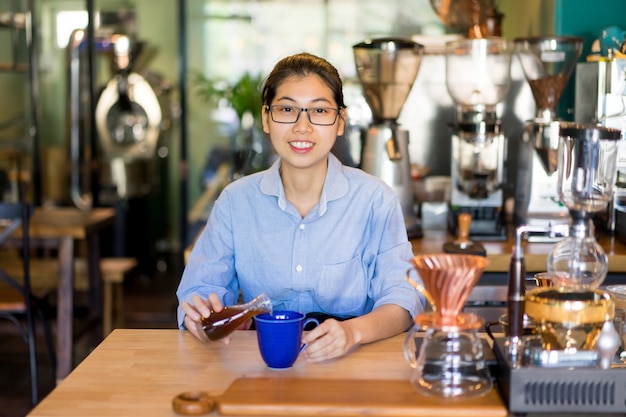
478,78
387,68
568,363
547,63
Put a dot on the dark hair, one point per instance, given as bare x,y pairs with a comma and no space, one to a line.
301,65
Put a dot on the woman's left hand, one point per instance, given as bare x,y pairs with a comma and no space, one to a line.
333,338
330,339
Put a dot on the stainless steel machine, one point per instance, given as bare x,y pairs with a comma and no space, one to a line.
548,63
478,78
387,68
601,99
125,138
132,117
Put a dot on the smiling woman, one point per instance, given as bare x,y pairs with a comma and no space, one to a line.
329,239
297,81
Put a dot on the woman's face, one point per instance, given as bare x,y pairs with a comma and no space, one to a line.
303,144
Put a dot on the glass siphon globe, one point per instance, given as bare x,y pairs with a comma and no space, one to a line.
578,263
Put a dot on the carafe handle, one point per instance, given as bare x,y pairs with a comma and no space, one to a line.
420,288
410,349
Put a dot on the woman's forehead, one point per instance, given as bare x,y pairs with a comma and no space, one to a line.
309,88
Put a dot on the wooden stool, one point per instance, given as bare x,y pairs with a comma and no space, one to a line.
113,272
45,272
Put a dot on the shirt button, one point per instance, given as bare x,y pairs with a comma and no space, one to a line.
302,226
299,268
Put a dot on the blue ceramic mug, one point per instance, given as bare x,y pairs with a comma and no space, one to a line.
280,337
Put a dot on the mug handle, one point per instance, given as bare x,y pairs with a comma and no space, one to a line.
307,321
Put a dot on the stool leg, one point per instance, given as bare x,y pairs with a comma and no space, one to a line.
107,309
119,305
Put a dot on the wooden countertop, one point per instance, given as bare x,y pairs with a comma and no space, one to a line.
139,372
535,254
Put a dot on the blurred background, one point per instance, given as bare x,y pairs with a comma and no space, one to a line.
190,67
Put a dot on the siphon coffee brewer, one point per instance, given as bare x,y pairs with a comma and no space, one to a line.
449,360
569,365
572,314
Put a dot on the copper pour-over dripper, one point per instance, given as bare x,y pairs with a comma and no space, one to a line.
449,360
447,280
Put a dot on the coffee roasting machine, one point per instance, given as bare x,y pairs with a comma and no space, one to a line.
133,117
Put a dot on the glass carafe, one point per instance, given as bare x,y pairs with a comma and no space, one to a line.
449,361
448,357
220,324
586,170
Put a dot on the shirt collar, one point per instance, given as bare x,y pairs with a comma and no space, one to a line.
335,184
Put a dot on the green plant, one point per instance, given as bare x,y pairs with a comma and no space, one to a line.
243,96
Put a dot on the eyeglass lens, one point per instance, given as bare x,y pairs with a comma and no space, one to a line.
323,116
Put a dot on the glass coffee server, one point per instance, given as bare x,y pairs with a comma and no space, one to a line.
449,360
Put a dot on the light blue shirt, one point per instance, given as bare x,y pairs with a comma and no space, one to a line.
348,256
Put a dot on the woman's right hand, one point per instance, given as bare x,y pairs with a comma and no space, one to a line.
196,310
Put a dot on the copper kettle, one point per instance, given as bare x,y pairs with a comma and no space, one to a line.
476,18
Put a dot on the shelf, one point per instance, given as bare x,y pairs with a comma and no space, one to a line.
13,24
19,67
13,20
17,43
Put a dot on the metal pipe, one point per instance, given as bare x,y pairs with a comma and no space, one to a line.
517,282
517,285
182,83
82,200
31,39
94,157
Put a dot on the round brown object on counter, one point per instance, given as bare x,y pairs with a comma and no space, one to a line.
193,403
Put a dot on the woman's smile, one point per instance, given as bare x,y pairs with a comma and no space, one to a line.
301,146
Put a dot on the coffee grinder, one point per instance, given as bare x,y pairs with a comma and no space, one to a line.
547,63
478,78
570,364
387,68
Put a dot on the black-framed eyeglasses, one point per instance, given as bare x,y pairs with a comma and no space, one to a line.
321,116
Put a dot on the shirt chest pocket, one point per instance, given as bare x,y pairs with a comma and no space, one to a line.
342,288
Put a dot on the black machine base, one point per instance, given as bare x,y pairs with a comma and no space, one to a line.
559,390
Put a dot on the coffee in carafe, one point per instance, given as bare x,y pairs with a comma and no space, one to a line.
220,324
